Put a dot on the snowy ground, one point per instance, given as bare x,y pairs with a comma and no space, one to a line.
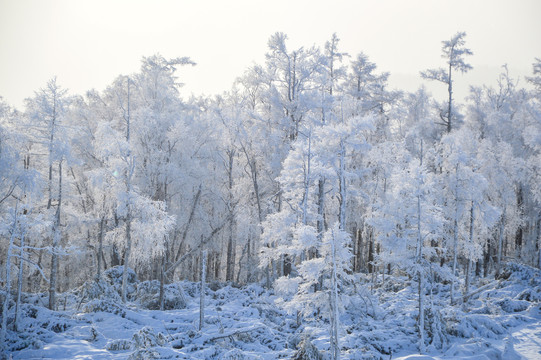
503,322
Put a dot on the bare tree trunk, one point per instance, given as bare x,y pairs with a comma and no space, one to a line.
468,263
244,254
268,277
126,258
333,294
231,244
450,90
230,262
253,172
202,289
421,322
359,254
539,242
468,270
320,207
56,243
34,278
307,180
5,306
250,276
21,263
500,244
520,230
217,267
100,247
128,174
487,258
20,280
455,253
51,141
371,269
188,223
419,257
342,178
162,283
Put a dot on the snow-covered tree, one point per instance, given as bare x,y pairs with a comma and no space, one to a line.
292,75
19,191
469,213
453,51
143,218
406,222
47,115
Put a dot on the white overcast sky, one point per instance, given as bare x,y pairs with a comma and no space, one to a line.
86,44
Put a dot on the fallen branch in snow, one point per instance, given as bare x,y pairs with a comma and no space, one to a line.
235,332
466,297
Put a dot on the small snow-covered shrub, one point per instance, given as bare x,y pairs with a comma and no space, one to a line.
395,284
177,343
96,289
94,335
58,326
476,325
119,345
24,341
208,352
114,277
475,348
215,285
146,338
148,295
514,271
104,305
253,290
307,351
236,354
190,288
36,327
56,323
144,354
531,294
224,293
293,340
29,311
433,326
512,305
37,299
512,320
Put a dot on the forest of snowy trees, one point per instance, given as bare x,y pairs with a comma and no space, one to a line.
310,170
